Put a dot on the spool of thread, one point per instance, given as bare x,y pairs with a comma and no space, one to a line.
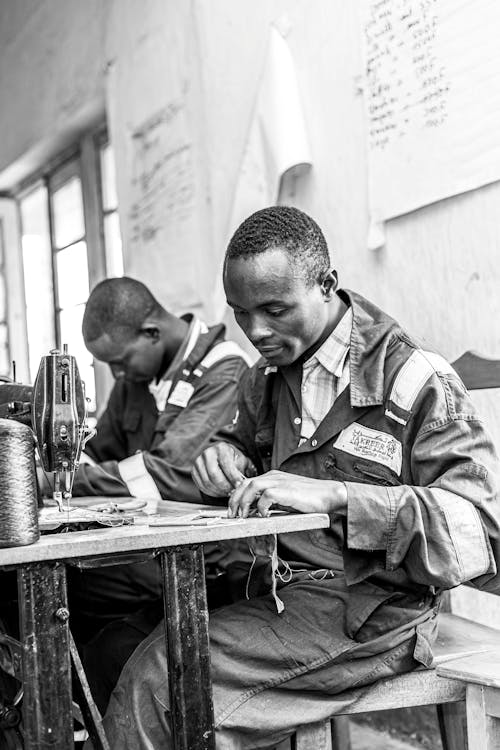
18,489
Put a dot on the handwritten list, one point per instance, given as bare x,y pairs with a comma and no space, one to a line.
432,73
406,80
162,180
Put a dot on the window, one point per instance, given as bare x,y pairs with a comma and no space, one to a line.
5,365
112,235
70,234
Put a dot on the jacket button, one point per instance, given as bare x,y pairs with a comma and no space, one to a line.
314,443
297,420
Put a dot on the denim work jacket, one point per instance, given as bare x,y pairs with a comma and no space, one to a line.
422,474
164,444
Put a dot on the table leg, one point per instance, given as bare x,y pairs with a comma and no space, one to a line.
186,624
47,704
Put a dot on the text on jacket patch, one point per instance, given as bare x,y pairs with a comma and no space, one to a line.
373,445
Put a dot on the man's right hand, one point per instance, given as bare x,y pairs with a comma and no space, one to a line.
221,468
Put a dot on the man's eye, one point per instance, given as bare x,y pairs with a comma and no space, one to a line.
276,313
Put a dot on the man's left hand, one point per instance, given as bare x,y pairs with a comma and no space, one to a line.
292,492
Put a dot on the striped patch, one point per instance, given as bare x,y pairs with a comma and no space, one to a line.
139,481
413,375
466,533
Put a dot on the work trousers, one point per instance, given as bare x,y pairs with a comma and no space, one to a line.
274,672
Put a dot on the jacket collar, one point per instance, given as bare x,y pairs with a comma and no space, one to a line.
371,334
197,341
205,339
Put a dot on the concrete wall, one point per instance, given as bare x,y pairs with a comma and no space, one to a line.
438,272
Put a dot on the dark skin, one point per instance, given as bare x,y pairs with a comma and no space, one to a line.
286,317
149,354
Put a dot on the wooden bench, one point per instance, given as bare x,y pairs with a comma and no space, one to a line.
457,637
466,669
481,674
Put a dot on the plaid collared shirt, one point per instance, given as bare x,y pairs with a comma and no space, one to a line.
324,376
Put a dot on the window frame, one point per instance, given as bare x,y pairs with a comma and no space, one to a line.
82,159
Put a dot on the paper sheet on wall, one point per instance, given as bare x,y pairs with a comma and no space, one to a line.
432,97
157,166
277,142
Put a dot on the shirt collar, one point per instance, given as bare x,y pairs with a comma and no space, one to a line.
333,351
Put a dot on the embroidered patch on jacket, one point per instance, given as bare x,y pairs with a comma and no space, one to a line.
373,445
181,394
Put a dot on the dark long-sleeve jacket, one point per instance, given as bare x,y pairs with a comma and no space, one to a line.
142,452
421,472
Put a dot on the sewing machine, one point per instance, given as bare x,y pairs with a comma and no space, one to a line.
55,408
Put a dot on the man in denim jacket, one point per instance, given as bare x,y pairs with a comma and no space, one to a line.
345,414
176,382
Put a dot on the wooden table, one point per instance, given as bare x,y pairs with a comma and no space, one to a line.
44,616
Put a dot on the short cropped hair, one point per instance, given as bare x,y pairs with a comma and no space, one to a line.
287,228
117,307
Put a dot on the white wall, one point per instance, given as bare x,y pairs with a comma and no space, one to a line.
51,77
438,272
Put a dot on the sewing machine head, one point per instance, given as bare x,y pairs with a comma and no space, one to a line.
55,408
59,418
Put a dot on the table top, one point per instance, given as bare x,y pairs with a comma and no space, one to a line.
142,537
482,669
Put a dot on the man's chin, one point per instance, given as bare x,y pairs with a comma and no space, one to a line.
279,357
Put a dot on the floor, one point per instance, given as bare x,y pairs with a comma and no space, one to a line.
364,737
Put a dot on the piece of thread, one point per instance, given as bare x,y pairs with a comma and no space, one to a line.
18,489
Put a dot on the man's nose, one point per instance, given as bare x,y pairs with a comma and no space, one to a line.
258,330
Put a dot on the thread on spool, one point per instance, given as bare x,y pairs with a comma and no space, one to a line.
18,489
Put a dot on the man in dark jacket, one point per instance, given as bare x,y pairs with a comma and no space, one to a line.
345,414
176,384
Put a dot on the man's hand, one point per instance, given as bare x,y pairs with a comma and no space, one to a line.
221,468
283,491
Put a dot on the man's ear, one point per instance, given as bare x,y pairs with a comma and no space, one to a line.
150,331
329,284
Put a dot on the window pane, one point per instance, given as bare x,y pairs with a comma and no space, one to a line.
72,275
108,178
37,263
67,208
5,364
71,334
3,306
113,243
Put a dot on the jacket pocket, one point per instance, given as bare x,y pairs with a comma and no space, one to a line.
426,635
359,470
360,606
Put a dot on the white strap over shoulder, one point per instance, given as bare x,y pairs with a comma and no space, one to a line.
222,351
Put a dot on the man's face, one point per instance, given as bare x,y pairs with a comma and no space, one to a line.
137,360
277,310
